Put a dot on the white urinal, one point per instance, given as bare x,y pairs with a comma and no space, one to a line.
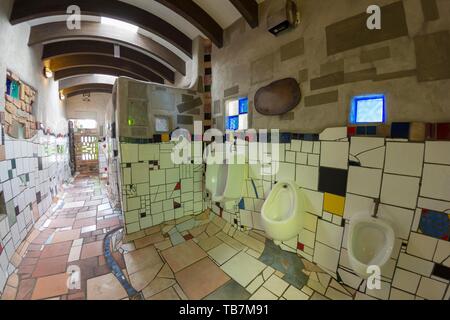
283,211
370,243
225,181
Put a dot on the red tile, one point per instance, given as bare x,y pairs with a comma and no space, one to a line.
57,249
443,131
108,223
93,249
25,289
300,246
50,266
85,222
351,131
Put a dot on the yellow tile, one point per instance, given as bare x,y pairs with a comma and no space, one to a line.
165,137
334,204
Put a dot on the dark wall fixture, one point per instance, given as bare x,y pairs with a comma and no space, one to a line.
278,98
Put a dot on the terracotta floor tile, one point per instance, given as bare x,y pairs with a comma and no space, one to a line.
148,240
68,235
84,222
9,293
168,294
61,223
201,278
27,261
106,287
140,259
25,269
108,223
86,214
183,255
93,249
50,266
25,289
51,286
140,279
57,249
156,286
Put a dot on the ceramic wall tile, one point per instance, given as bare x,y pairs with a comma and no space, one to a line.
333,134
406,281
314,201
400,191
431,289
326,257
364,181
334,155
355,205
129,153
329,234
307,177
286,171
437,152
334,204
333,181
400,218
404,158
422,246
435,183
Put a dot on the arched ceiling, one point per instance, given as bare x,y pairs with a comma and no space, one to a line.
86,88
160,48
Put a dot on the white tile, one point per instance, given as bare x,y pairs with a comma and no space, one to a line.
400,190
296,145
442,251
406,281
431,289
400,218
276,285
293,293
334,294
286,171
307,177
415,265
329,234
333,134
243,268
313,160
307,146
404,158
290,156
422,246
436,182
437,152
364,181
313,201
382,293
400,295
263,294
316,147
355,204
307,238
334,155
302,158
350,279
222,253
327,216
432,204
326,257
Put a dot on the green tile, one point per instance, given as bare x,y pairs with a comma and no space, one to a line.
139,173
172,175
187,185
156,208
157,177
148,152
129,153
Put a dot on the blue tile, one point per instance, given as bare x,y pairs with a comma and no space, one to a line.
400,130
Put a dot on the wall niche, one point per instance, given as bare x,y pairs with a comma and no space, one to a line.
19,121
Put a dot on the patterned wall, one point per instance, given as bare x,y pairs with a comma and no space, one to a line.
31,173
341,177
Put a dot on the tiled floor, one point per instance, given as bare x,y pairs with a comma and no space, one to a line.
200,257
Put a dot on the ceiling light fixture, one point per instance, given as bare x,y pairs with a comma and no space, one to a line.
119,24
48,73
62,97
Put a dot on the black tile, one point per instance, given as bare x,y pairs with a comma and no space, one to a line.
13,164
10,174
38,197
16,209
333,181
400,130
40,164
441,271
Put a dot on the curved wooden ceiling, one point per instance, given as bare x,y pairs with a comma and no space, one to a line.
25,10
90,60
92,47
87,88
58,31
79,71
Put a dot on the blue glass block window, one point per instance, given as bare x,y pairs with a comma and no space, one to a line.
368,109
12,88
237,114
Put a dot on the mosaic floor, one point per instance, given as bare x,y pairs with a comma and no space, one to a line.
200,257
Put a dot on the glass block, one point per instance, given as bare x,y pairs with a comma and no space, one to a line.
233,108
368,109
243,122
233,123
243,106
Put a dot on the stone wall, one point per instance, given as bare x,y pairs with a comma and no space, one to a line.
408,60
